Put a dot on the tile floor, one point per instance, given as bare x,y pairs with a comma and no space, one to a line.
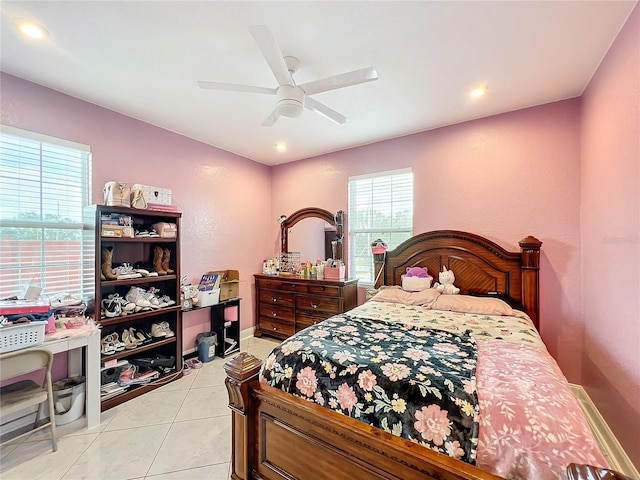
181,430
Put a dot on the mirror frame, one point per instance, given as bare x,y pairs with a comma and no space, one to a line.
337,220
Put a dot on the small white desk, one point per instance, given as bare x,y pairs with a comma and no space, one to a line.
90,344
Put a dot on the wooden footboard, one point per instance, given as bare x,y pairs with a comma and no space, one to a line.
280,436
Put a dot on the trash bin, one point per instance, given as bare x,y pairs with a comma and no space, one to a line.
68,399
206,344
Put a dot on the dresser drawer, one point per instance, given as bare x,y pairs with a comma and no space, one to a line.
277,284
276,312
274,327
274,297
324,290
329,305
306,319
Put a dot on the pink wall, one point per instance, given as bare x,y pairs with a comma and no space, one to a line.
226,220
503,177
610,216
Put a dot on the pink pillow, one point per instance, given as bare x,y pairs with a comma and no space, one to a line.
469,304
422,298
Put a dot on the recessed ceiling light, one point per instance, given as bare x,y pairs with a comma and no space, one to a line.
478,92
32,30
281,147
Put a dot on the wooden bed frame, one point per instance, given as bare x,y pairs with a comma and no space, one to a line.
276,435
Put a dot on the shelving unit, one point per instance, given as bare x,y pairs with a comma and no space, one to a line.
225,323
137,250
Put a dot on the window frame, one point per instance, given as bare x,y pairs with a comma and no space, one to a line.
402,232
72,270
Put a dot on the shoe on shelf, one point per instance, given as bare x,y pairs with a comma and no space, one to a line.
140,336
167,330
125,272
152,297
127,375
165,301
111,307
130,342
157,331
136,295
115,339
108,348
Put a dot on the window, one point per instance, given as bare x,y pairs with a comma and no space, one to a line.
380,207
44,186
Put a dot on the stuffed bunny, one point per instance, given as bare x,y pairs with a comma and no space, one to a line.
446,286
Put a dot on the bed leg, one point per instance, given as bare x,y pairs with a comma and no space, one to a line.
241,371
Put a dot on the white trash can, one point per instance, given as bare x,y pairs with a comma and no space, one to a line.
68,399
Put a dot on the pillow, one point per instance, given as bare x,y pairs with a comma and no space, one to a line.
471,304
415,284
423,298
516,305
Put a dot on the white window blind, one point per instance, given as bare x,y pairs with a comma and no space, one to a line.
44,186
380,207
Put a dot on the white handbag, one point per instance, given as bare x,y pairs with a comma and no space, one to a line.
117,194
138,200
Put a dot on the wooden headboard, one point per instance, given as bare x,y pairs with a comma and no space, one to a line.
479,265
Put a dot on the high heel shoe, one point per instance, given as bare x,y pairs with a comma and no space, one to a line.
129,340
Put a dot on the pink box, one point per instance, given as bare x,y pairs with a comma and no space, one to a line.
334,273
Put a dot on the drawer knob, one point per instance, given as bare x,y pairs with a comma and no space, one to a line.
275,328
315,305
274,299
274,314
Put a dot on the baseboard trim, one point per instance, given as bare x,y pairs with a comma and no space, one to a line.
246,333
609,444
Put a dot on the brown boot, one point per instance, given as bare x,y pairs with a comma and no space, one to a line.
165,261
107,259
158,253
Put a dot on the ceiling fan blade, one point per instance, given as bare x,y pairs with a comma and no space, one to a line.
235,88
271,119
325,111
272,54
339,81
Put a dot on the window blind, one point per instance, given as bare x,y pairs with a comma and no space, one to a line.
380,207
44,186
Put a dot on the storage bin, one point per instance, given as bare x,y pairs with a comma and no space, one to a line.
158,195
334,273
21,335
229,284
208,297
206,344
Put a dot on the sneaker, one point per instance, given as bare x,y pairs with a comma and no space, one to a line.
125,271
157,331
167,330
111,307
136,296
151,296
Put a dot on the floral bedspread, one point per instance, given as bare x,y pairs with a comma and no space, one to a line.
415,383
511,329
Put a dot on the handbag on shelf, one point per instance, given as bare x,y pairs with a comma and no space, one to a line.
117,194
138,200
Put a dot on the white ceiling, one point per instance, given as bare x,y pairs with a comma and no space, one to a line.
143,58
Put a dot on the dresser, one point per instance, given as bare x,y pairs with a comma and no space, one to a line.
287,304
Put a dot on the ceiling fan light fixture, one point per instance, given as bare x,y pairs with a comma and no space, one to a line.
290,108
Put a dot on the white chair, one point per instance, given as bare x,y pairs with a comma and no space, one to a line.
23,394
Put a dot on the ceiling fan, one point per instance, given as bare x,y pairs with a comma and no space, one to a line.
292,98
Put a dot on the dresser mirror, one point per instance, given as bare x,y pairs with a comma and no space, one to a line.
314,232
